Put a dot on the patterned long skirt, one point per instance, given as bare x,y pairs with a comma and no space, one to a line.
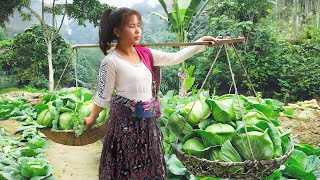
132,147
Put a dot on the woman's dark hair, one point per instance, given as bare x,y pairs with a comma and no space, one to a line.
109,20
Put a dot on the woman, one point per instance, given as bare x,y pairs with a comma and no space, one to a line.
132,144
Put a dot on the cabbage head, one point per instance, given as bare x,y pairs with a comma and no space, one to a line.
31,167
261,144
229,154
103,116
85,110
200,111
175,124
225,108
45,118
216,134
194,147
254,116
66,120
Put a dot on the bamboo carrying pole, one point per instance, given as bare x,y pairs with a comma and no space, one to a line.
91,136
221,41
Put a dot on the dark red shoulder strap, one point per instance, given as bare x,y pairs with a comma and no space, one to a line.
146,57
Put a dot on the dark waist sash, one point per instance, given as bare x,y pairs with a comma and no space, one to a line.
140,109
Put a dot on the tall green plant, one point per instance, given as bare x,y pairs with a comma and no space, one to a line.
179,16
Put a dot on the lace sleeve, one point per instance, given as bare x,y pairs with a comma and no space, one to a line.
106,83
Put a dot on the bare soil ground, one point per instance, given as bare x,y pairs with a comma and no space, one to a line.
75,162
305,130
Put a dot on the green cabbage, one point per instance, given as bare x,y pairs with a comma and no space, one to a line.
228,153
200,111
103,116
261,144
254,116
45,118
176,122
31,167
216,134
85,110
194,147
66,120
225,108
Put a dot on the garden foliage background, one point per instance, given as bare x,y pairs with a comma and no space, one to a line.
281,52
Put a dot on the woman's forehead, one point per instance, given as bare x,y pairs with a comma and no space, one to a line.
132,19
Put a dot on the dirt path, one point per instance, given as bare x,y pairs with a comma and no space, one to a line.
306,130
10,126
68,162
74,162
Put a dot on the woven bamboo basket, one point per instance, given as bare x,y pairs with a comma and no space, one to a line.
249,169
68,137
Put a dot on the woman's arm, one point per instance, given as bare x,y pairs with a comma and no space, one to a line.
89,121
167,59
106,83
104,91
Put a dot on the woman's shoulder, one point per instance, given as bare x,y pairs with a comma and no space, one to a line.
108,60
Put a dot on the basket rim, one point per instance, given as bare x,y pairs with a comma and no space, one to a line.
68,137
222,163
97,126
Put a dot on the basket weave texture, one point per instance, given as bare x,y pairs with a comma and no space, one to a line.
249,169
68,137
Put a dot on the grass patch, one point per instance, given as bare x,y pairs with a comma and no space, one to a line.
7,90
23,89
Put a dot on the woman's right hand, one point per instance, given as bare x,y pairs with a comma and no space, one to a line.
88,122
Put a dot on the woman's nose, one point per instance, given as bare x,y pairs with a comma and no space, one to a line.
138,30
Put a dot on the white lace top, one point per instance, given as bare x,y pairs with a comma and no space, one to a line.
134,81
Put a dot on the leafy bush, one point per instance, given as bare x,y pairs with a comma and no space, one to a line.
25,57
300,76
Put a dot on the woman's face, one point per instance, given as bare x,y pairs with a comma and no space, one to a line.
131,31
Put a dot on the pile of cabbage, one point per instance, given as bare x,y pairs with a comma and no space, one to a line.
215,130
66,110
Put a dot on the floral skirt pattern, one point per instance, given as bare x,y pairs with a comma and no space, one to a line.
132,147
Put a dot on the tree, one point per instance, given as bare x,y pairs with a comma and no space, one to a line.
81,10
23,57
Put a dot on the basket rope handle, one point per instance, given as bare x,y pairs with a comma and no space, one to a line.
238,99
245,72
235,87
205,80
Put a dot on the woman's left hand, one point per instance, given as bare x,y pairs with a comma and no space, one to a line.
210,38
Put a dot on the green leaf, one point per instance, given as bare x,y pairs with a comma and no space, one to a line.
274,135
308,149
228,153
261,145
301,166
175,166
189,81
190,12
216,134
289,111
